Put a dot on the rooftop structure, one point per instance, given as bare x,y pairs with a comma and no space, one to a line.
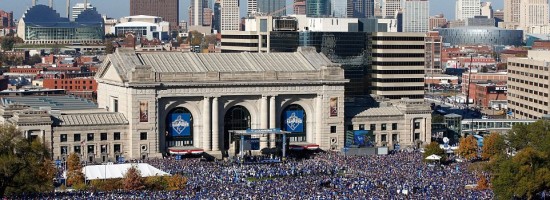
42,25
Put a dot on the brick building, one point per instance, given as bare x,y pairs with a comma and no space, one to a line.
83,87
485,93
495,78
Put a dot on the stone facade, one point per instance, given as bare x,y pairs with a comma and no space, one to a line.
208,95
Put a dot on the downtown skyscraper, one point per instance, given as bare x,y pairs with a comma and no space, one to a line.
230,15
416,14
317,8
467,9
167,9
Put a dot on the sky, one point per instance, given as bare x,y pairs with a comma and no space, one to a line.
121,8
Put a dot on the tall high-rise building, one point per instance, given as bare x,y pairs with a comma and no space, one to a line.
196,14
390,8
398,65
300,7
533,13
251,7
207,16
317,8
433,49
78,8
378,9
230,15
338,8
360,8
511,10
416,15
6,20
487,10
528,85
167,9
272,7
216,21
467,9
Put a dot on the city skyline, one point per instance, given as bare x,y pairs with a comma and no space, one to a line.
110,9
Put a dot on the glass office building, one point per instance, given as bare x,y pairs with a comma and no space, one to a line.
350,49
42,25
317,8
469,35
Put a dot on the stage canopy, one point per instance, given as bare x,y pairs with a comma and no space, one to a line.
93,172
433,157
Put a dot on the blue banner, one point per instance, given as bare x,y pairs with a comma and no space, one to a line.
359,137
180,124
294,121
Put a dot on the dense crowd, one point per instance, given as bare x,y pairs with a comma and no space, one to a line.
324,176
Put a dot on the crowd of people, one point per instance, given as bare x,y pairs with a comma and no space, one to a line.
401,175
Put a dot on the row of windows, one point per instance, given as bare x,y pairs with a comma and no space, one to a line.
397,80
528,66
398,88
389,38
398,55
89,137
238,44
64,150
525,114
527,91
397,46
386,63
71,82
537,84
398,71
528,74
404,96
239,36
75,87
533,100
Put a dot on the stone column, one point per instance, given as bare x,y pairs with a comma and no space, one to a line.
206,124
263,121
272,119
316,137
215,125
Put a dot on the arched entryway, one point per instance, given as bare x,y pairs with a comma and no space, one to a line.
179,128
293,119
236,118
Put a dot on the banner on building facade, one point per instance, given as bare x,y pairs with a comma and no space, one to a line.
294,121
334,106
180,124
143,111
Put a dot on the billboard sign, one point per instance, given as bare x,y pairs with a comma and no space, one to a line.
180,124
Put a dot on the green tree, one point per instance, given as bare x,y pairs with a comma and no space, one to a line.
24,164
132,180
526,174
34,59
177,182
109,48
195,38
75,177
433,148
467,148
493,145
7,43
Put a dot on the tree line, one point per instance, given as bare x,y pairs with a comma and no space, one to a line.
518,162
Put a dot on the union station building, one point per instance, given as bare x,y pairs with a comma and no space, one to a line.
164,103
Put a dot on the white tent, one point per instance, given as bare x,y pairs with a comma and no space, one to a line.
93,172
433,157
